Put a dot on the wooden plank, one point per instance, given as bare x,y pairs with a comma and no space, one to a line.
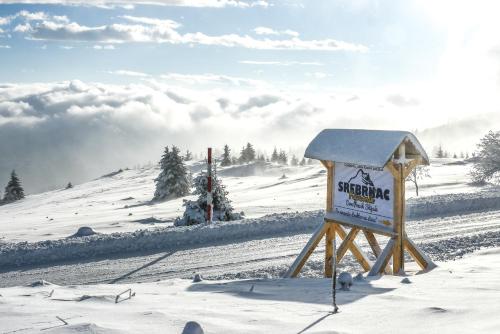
392,169
418,255
346,243
330,230
297,265
361,224
383,259
372,241
329,235
354,248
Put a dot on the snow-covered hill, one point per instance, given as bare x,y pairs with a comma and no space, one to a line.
120,202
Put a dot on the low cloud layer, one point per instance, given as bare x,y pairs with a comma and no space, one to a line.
53,133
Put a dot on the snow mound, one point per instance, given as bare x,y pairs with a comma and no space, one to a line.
83,231
39,283
192,327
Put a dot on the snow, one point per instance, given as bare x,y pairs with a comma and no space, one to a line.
363,147
121,202
457,297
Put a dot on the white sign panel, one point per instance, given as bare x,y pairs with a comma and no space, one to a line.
364,192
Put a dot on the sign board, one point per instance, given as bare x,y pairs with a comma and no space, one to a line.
364,192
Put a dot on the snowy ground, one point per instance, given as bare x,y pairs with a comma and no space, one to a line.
121,202
457,297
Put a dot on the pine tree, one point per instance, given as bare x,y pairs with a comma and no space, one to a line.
294,161
69,185
303,162
188,156
174,179
439,152
250,152
195,212
13,191
274,156
283,158
226,157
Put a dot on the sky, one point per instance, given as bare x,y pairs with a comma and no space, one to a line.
91,86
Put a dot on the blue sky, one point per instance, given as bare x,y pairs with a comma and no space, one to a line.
400,44
90,86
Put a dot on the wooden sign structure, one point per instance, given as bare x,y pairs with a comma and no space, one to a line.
366,172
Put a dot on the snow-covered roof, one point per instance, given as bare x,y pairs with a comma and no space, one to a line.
364,147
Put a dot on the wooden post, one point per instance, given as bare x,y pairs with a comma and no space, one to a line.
330,229
399,203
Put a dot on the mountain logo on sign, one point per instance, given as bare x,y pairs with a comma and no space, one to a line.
360,187
365,178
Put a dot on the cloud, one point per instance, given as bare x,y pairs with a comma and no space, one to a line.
4,46
129,73
130,3
103,47
401,101
209,78
281,63
152,30
272,32
259,102
317,75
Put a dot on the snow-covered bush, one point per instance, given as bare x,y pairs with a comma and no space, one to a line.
174,179
195,212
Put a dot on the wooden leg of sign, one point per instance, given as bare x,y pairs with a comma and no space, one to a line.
383,259
297,265
346,243
355,249
416,253
329,235
372,241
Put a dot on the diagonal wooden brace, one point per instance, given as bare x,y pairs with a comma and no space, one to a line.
299,262
372,241
346,243
383,259
418,255
354,248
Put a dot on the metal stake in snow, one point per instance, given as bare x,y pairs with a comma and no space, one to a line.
209,186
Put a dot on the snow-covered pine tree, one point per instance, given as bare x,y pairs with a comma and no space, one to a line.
188,156
294,161
250,152
243,156
486,165
303,162
275,156
226,157
13,191
174,179
195,212
282,158
69,185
